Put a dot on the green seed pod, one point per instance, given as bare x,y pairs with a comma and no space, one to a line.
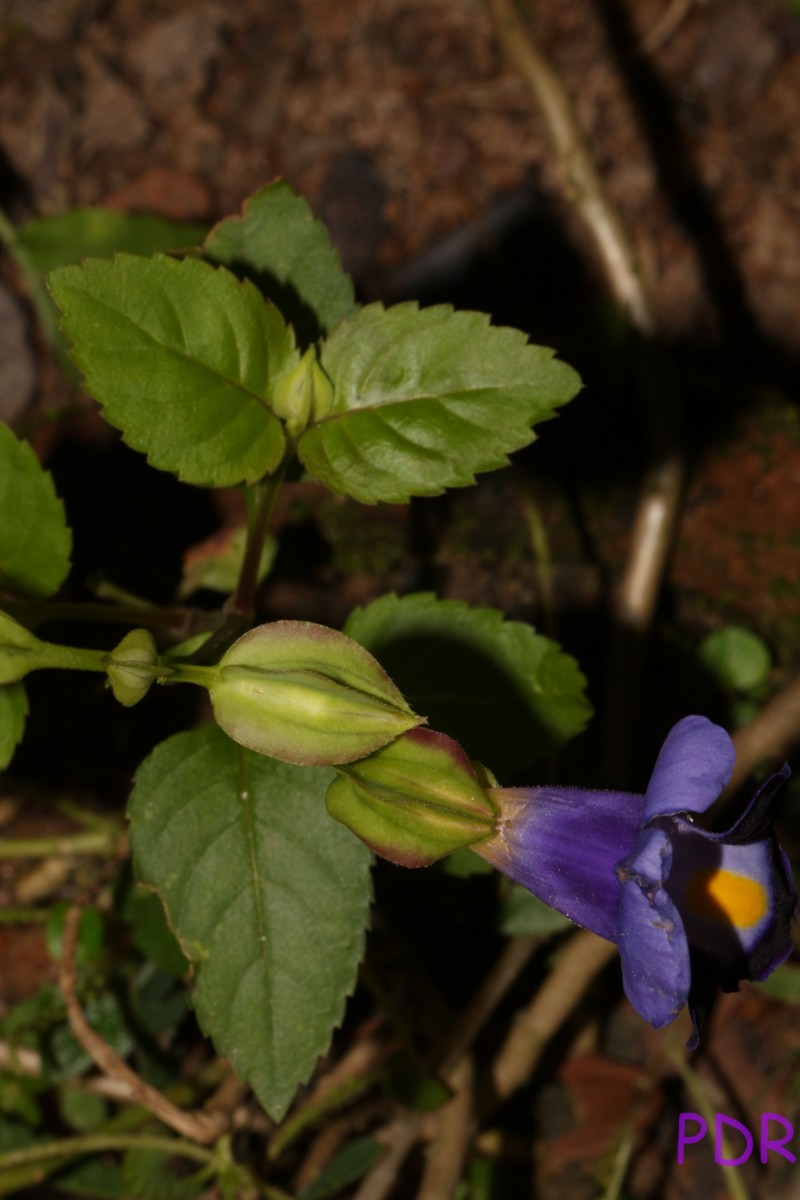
414,801
130,667
306,694
304,396
18,650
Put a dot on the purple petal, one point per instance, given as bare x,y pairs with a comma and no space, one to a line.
737,901
693,767
652,942
563,845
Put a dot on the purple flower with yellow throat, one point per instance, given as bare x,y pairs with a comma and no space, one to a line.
691,910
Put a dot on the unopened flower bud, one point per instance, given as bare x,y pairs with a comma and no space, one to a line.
130,667
304,396
18,647
306,694
415,800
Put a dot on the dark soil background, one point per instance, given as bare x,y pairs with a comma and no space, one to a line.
424,154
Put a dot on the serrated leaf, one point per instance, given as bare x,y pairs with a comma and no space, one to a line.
51,242
13,711
35,541
507,694
286,252
45,243
267,895
425,399
183,358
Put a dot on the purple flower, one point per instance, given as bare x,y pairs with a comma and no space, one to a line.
690,910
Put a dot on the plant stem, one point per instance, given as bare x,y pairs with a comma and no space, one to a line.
265,494
70,658
91,842
186,672
99,1143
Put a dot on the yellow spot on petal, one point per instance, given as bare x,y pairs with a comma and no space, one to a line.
724,896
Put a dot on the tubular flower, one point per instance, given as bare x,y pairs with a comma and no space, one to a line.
690,910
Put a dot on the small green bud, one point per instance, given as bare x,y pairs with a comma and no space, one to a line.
18,650
415,800
130,667
306,694
304,396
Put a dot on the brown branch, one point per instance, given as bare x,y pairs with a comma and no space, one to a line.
583,186
451,1138
582,958
196,1126
770,736
636,595
404,1131
400,1137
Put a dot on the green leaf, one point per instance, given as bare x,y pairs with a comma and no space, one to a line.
424,399
95,1178
183,358
507,694
52,242
217,563
150,1175
267,895
525,915
464,863
348,1166
286,252
35,542
13,711
738,659
45,243
81,1110
152,935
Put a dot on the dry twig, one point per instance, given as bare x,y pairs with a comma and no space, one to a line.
771,736
451,1138
196,1126
634,602
582,958
403,1132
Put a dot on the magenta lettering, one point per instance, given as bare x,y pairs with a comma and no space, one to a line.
774,1133
766,1143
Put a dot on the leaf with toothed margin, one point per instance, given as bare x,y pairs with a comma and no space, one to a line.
35,541
278,244
423,399
183,358
266,893
508,694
